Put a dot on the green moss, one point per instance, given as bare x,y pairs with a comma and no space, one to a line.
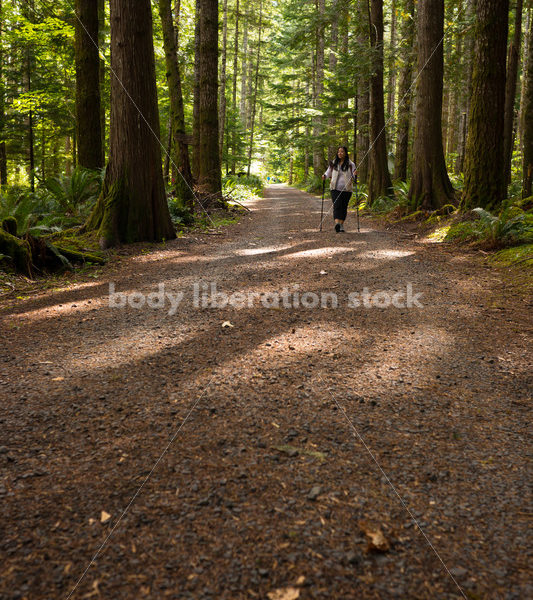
18,250
9,224
518,255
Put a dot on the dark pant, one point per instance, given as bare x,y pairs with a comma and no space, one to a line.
340,204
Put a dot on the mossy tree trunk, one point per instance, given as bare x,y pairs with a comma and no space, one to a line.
527,115
209,176
404,92
88,115
3,154
379,181
132,206
430,185
179,153
484,161
318,125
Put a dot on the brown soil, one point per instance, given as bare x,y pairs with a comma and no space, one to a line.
312,453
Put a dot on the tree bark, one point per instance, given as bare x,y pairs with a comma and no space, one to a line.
523,87
392,69
3,154
102,75
404,92
527,137
209,175
510,92
244,68
88,116
196,95
234,91
484,162
332,120
132,206
430,185
379,181
222,104
318,150
254,99
179,154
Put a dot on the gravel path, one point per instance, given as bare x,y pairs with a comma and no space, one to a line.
269,452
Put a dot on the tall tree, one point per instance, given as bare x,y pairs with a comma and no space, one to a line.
404,93
484,162
256,81
379,181
196,94
318,150
132,206
179,152
234,90
430,184
3,155
209,176
527,136
222,103
88,116
510,91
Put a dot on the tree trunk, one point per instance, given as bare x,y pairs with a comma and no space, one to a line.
510,92
392,68
467,92
318,150
404,92
209,176
102,75
234,91
88,117
132,206
196,95
527,137
179,154
3,155
254,100
222,116
244,68
525,54
332,120
484,162
379,181
430,185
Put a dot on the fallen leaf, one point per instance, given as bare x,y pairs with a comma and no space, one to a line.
58,379
323,272
301,580
289,593
104,517
377,542
227,324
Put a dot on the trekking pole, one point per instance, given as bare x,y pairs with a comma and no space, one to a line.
357,200
322,209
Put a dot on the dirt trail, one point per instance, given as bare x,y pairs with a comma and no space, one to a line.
292,434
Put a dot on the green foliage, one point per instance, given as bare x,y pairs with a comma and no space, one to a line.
243,188
511,227
180,214
75,194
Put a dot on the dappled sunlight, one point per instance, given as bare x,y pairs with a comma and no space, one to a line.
386,254
320,252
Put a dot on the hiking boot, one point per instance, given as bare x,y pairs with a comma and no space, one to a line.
337,227
341,230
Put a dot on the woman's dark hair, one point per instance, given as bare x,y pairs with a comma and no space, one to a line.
345,162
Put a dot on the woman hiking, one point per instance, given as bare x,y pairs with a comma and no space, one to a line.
342,173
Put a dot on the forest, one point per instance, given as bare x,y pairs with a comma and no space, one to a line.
214,382
432,99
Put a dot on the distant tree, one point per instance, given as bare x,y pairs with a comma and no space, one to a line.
379,180
527,136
